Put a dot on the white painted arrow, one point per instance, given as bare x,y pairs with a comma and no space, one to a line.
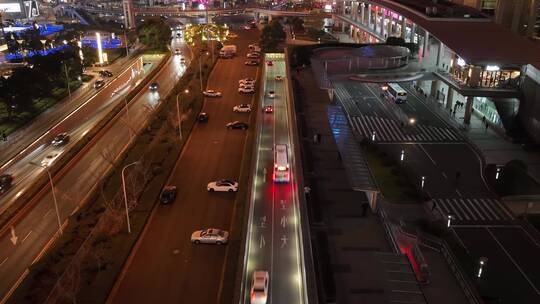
261,243
13,238
283,221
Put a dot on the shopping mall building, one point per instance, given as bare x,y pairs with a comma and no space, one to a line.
470,59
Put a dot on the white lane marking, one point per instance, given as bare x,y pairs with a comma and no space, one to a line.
459,193
444,174
29,232
4,261
424,150
47,213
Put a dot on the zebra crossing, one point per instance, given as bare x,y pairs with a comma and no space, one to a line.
473,209
388,130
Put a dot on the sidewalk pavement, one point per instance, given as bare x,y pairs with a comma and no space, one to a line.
364,268
22,137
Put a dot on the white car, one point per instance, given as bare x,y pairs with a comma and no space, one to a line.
253,55
259,287
279,78
242,108
247,27
246,80
246,90
223,185
271,94
212,93
247,85
210,236
49,159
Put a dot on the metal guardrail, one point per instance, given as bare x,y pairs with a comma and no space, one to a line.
388,229
464,282
307,250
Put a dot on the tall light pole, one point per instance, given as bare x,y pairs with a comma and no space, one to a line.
67,80
125,193
53,195
125,40
200,71
178,113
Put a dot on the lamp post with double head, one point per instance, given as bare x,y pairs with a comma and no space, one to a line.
125,193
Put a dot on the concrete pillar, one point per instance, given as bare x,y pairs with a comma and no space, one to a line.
440,54
516,18
369,16
534,15
468,110
390,32
426,44
376,15
363,13
434,87
450,98
403,27
383,20
413,32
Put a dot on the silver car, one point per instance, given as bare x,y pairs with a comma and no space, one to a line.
210,236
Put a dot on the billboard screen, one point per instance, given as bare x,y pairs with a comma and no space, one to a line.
23,9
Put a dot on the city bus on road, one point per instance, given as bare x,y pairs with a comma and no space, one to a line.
281,164
396,93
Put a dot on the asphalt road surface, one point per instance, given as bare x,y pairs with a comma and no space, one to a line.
35,229
166,267
454,180
274,222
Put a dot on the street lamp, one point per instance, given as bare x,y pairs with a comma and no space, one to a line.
125,40
178,113
449,219
200,71
402,157
67,80
412,121
125,194
498,173
423,182
53,194
483,261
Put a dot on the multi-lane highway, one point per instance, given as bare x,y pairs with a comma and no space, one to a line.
73,184
166,267
273,242
76,122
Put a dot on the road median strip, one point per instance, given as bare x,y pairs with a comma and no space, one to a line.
26,201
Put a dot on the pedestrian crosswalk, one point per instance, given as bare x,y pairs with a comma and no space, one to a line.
388,130
473,209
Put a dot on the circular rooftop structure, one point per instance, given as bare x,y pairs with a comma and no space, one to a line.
339,60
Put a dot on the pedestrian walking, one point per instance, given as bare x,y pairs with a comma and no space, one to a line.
487,126
433,205
4,136
484,120
365,206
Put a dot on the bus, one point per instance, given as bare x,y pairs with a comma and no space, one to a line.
396,93
281,164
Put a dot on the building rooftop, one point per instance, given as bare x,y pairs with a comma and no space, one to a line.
442,9
476,42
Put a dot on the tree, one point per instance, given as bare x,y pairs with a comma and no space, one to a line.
22,91
155,34
90,56
271,36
